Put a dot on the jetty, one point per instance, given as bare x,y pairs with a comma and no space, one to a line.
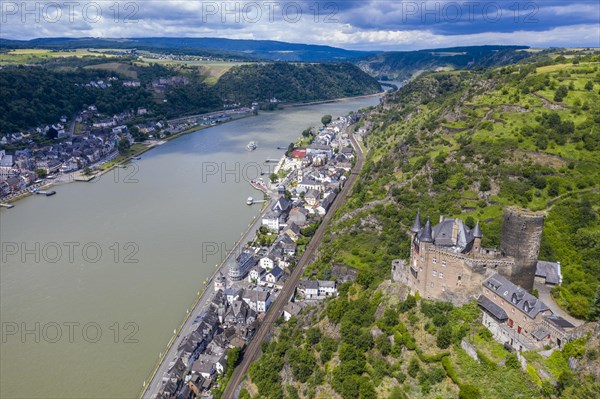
252,201
7,206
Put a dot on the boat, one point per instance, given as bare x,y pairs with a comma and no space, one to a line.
251,146
250,201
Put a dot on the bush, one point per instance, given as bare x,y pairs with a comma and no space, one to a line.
469,392
512,361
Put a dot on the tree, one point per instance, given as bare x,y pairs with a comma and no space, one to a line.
485,185
560,93
273,177
589,86
413,367
595,309
41,173
444,336
326,119
470,222
124,145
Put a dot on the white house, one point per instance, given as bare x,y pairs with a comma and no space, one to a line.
259,301
274,275
266,262
256,275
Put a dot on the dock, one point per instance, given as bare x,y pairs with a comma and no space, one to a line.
7,206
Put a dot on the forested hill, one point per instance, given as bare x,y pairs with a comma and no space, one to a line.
460,144
404,65
295,82
35,95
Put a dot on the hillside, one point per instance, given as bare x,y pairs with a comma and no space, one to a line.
406,64
35,95
295,82
463,144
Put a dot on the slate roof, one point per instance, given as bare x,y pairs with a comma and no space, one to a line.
492,308
559,322
515,295
416,227
548,270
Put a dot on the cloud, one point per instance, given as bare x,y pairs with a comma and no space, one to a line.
366,24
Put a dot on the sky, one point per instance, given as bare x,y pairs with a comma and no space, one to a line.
360,25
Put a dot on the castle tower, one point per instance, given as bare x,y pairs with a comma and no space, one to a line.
521,237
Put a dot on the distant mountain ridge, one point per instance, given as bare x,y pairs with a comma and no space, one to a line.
231,48
405,64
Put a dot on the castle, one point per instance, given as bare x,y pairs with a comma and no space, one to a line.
447,261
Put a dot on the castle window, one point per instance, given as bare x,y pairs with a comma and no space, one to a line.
441,275
460,278
434,273
443,263
434,259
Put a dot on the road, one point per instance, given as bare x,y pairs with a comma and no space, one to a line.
253,350
155,384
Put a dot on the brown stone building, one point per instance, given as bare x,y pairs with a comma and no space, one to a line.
448,263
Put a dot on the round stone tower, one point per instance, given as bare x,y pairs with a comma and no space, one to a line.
521,237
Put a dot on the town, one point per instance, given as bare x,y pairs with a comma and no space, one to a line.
298,194
79,149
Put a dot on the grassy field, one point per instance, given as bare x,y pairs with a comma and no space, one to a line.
118,67
34,56
212,70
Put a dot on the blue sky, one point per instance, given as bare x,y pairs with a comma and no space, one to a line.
365,25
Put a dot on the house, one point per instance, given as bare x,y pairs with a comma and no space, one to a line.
258,300
240,313
548,273
273,220
514,316
308,289
327,288
291,309
267,262
320,149
274,275
325,204
312,197
232,294
317,289
298,216
293,231
256,275
286,243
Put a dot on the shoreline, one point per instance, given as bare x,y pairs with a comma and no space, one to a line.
130,157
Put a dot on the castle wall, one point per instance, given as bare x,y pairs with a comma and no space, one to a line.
521,237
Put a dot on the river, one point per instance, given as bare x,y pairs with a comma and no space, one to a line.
94,280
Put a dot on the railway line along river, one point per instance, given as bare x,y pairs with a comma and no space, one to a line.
94,280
